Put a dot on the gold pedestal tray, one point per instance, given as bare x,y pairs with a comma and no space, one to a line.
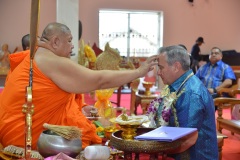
129,131
151,147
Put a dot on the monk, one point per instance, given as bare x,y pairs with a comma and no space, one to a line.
85,108
56,81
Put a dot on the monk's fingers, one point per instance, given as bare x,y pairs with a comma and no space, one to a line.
151,68
153,58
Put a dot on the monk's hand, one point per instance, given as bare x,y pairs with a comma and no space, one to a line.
148,65
43,43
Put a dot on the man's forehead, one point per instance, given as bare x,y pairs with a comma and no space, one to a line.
162,60
215,50
162,57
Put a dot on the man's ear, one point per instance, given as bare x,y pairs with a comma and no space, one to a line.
177,66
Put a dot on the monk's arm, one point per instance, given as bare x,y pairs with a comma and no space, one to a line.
75,78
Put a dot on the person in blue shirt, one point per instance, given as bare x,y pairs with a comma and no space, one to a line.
216,74
192,107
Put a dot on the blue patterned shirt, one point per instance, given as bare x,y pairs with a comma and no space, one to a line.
212,76
195,108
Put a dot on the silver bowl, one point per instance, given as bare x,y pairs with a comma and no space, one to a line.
50,144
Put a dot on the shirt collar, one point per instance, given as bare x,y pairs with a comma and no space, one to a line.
175,85
216,64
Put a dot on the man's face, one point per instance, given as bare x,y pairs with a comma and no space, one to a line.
65,45
165,71
215,56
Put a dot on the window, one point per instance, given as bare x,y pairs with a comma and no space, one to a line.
132,33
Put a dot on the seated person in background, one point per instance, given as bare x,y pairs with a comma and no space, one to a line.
56,81
26,42
192,107
216,74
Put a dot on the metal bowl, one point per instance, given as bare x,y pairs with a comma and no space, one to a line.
50,144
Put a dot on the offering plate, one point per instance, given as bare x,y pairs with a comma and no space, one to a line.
147,146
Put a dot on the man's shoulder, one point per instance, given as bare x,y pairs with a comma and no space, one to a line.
204,67
195,86
224,65
195,46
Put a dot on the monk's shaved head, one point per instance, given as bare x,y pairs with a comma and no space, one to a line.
53,29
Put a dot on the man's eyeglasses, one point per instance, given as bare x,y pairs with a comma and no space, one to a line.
216,53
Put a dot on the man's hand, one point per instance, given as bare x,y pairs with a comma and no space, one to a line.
43,43
211,90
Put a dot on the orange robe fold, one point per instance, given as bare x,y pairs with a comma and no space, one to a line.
52,105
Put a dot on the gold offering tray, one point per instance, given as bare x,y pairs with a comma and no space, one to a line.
150,147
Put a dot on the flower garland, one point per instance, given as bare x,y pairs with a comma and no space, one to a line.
166,99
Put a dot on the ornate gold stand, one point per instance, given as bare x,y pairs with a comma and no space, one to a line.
147,86
129,131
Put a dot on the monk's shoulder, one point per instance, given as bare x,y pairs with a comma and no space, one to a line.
50,63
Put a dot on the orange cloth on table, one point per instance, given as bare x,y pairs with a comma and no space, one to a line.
52,105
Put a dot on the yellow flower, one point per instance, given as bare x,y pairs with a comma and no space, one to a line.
100,129
90,53
173,95
165,91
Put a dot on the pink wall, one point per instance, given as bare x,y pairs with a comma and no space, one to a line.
216,20
15,19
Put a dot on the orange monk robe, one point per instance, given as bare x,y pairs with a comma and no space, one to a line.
79,98
52,105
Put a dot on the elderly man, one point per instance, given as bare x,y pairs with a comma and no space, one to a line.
192,107
56,80
216,74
